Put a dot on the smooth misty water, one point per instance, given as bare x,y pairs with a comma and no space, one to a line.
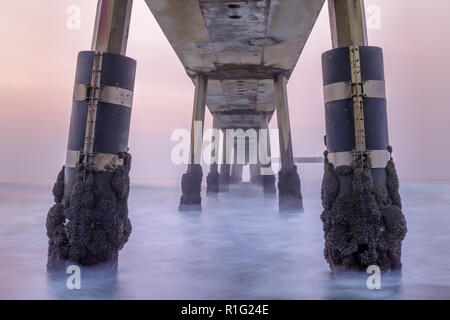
238,247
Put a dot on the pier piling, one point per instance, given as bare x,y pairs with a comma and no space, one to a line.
289,188
192,180
89,223
362,217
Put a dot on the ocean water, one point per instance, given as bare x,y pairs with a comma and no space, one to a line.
238,247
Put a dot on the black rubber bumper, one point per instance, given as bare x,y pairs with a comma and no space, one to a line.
112,120
339,114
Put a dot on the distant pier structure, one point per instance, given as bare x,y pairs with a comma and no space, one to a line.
240,55
308,159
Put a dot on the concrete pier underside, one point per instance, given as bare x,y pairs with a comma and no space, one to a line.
239,46
247,50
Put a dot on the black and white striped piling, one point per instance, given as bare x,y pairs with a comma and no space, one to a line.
101,114
89,223
339,95
363,221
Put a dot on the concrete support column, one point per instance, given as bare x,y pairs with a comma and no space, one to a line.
112,25
347,23
237,168
191,181
225,168
236,173
255,174
212,180
254,163
247,151
362,217
264,154
92,231
290,197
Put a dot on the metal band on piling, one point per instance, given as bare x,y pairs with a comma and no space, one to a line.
101,112
355,106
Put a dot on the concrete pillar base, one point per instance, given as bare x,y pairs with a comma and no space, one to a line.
235,180
268,182
255,175
290,197
236,173
191,185
224,182
257,180
363,221
89,225
212,183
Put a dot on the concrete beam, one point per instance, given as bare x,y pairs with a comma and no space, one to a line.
239,44
348,23
112,24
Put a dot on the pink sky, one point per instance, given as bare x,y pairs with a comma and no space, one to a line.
38,66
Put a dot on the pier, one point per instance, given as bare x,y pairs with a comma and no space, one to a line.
239,56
